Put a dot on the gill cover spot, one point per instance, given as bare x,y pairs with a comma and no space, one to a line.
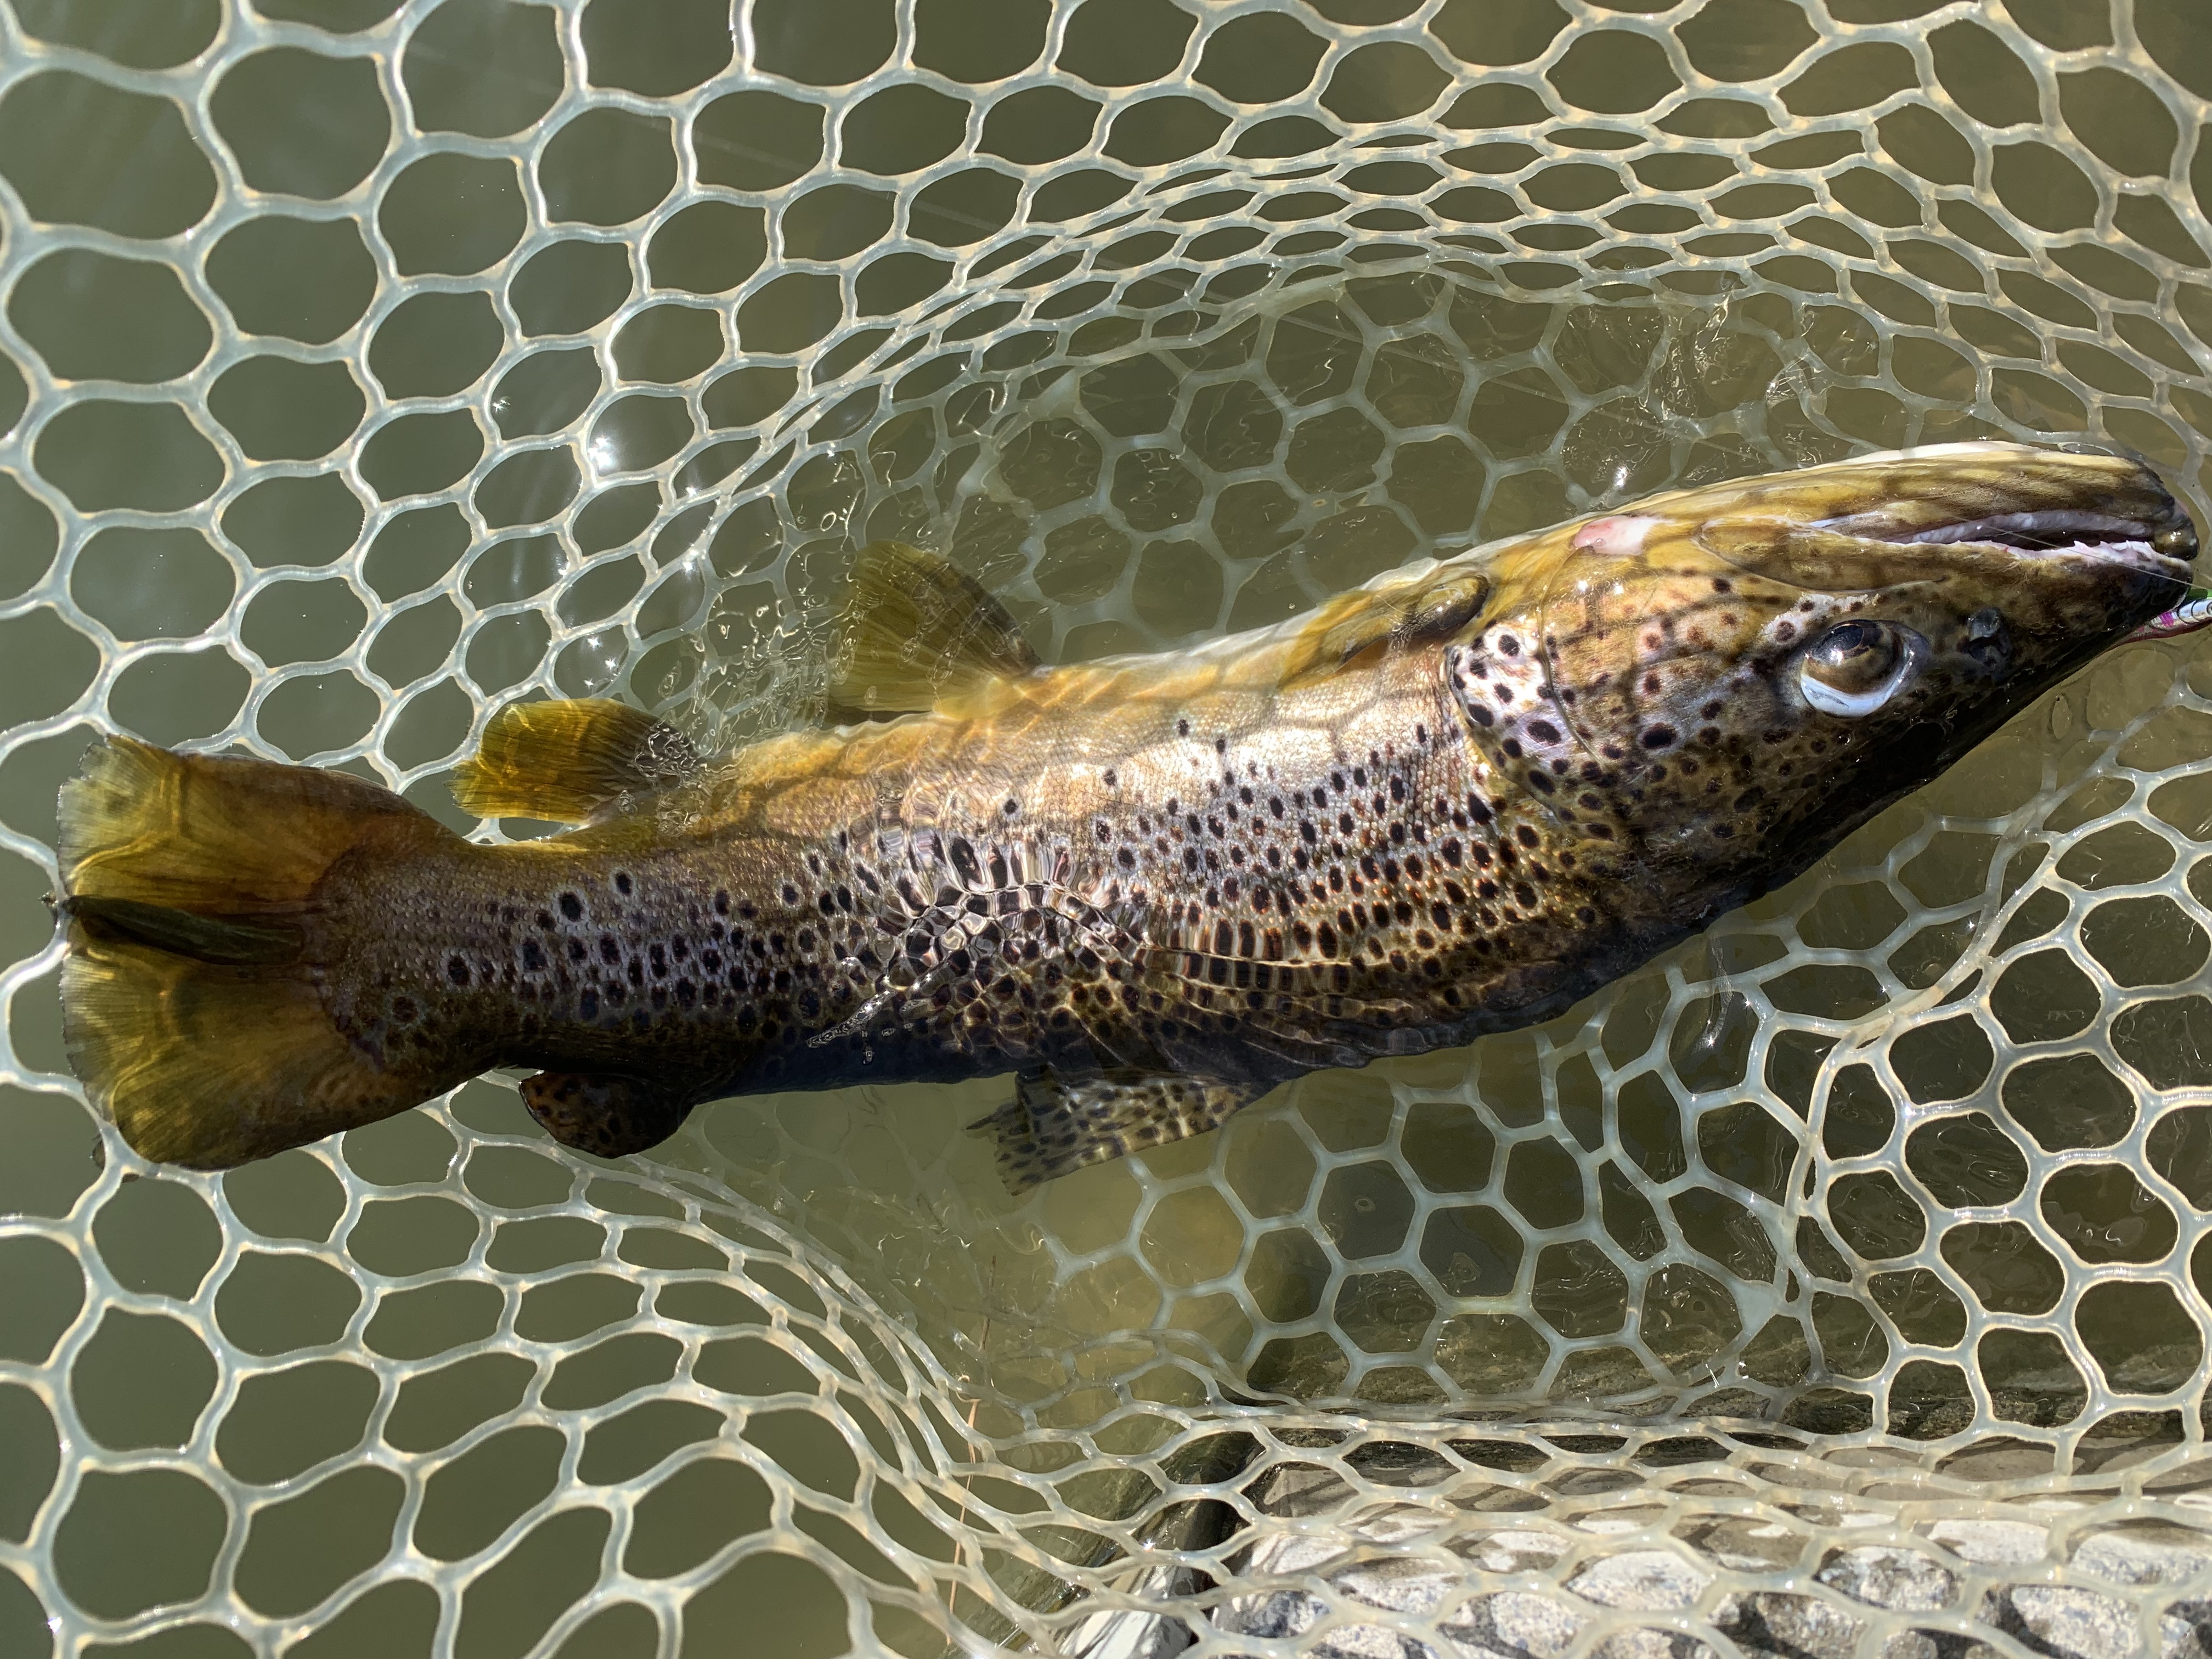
1856,667
1620,536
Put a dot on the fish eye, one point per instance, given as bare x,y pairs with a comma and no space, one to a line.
1853,656
1856,667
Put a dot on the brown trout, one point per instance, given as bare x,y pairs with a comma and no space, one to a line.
1452,802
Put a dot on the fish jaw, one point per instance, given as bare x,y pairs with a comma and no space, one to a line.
1659,679
2023,495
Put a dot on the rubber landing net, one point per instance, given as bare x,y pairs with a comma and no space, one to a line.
1832,1286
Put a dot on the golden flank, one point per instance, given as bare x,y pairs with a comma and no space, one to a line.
1450,803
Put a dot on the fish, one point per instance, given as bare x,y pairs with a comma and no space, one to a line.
1151,888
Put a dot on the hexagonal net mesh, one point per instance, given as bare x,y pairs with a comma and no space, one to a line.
1826,1287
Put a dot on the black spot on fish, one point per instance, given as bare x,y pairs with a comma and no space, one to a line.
1542,730
572,907
622,883
532,957
1657,737
721,904
609,950
587,1002
404,1010
1508,645
790,894
457,970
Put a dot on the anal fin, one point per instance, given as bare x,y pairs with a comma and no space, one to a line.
1051,1127
605,1115
564,761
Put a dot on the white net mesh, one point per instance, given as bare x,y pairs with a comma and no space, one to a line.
1829,1287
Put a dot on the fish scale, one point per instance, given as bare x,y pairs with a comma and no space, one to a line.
1451,802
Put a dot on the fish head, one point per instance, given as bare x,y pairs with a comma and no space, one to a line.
1730,678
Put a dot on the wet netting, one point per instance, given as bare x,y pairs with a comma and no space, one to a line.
1831,1286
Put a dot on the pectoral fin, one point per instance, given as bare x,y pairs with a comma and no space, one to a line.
1051,1128
563,762
606,1116
1372,620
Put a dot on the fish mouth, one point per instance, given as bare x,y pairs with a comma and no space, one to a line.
2077,502
2166,548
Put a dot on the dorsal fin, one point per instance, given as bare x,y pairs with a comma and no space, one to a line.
916,632
563,762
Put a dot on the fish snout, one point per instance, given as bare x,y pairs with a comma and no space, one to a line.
2079,499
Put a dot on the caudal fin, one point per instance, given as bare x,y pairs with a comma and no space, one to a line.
189,1004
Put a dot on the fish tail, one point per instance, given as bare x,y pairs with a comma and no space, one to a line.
192,1008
